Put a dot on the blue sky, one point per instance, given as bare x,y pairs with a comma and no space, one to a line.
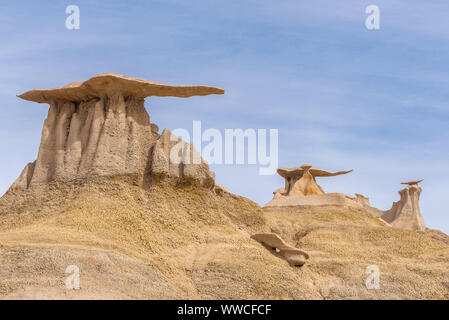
342,96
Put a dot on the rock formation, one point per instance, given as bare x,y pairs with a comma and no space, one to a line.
182,242
413,182
364,202
405,213
301,181
220,189
301,188
100,127
294,256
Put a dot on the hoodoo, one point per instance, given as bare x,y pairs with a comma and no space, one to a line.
405,213
301,181
301,188
138,214
100,127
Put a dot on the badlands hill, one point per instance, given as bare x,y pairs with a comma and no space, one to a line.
104,195
170,241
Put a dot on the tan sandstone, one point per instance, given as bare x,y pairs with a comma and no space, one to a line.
301,188
301,181
168,241
164,240
100,127
293,255
109,84
405,213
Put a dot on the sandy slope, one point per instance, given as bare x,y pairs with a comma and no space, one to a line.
186,242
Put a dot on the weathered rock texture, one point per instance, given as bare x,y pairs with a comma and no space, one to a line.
328,199
178,241
108,84
405,213
178,159
100,127
364,202
301,181
220,189
182,242
294,256
301,188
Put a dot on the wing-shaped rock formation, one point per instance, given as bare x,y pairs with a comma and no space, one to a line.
293,255
100,127
109,84
289,172
301,190
413,182
300,181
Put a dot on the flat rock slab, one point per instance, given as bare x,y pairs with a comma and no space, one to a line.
412,182
105,84
293,255
290,172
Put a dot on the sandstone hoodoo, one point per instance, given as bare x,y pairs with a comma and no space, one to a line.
100,127
301,188
405,213
301,181
139,214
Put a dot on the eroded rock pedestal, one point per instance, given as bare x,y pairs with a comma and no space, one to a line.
100,127
405,213
301,188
